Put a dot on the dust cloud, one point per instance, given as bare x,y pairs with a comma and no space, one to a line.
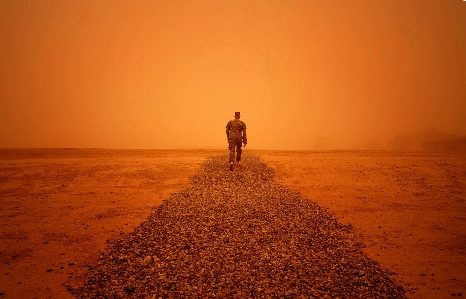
170,74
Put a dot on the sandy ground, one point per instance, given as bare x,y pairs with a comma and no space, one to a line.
58,208
407,208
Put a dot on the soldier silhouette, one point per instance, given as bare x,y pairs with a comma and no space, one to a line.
236,135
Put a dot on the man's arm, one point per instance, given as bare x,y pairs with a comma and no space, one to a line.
245,138
228,131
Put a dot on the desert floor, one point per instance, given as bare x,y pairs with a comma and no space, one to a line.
59,208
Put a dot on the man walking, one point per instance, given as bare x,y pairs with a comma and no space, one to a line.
236,134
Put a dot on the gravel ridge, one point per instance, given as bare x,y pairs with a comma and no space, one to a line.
238,234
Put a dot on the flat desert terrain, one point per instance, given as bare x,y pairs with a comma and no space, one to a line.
59,209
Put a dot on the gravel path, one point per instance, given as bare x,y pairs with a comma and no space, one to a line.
238,235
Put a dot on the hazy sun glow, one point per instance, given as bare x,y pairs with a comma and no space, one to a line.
170,74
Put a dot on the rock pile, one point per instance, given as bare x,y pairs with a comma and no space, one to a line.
238,235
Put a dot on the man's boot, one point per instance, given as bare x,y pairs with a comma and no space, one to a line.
231,166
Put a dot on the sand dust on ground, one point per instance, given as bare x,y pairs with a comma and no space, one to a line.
58,208
407,208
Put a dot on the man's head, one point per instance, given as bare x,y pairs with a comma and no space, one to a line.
237,115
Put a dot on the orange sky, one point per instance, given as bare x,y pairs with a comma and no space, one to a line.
170,74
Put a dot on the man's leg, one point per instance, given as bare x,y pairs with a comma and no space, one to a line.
238,150
231,147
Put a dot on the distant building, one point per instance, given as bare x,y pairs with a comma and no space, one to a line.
452,143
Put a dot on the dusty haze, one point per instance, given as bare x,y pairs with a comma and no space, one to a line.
170,74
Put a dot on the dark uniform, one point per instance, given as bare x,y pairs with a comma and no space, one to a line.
236,134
